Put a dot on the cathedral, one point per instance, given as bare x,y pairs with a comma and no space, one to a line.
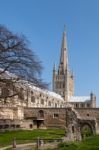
63,81
62,91
36,108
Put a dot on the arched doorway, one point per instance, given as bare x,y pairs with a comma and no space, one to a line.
86,130
39,121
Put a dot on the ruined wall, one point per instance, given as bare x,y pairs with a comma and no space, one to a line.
33,118
56,117
90,113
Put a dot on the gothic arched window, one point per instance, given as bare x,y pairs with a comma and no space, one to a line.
73,129
31,92
55,104
5,92
21,94
88,105
32,99
49,103
42,101
82,105
41,113
76,105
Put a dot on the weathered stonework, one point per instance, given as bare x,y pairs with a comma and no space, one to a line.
73,121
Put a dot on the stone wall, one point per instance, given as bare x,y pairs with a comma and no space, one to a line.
50,117
90,113
11,113
33,118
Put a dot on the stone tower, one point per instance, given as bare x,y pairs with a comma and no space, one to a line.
63,82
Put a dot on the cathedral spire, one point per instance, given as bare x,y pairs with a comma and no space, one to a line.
64,55
63,82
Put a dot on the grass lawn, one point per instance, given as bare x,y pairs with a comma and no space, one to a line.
25,136
91,143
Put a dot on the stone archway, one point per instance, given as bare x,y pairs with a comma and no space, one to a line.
87,128
40,119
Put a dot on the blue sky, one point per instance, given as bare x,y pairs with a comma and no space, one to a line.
42,22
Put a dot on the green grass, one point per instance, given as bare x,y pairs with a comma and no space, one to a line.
91,143
25,136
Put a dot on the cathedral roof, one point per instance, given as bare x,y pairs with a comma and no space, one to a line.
24,83
6,74
46,92
79,98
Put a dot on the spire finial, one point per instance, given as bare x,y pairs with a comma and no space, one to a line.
54,66
64,28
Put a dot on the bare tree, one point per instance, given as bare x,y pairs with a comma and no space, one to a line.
17,58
